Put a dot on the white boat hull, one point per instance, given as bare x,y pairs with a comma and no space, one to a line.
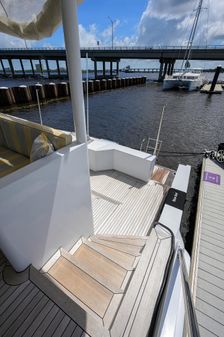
189,85
188,80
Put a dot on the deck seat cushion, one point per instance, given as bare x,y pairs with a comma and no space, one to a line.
19,134
41,147
11,161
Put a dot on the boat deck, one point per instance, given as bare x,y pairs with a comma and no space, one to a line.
123,205
25,310
207,270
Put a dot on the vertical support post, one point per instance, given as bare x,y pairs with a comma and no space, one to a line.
58,68
32,67
215,79
117,68
95,69
172,67
41,68
71,34
104,69
22,67
165,70
169,68
87,95
48,69
11,67
3,68
111,68
160,78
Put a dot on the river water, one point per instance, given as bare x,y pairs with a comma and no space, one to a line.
192,122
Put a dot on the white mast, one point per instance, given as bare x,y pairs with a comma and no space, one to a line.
71,34
192,34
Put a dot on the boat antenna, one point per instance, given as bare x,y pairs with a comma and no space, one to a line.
39,108
187,56
159,130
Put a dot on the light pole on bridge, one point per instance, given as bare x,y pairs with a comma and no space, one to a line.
112,31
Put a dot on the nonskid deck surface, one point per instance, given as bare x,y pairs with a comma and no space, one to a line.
207,270
124,205
26,311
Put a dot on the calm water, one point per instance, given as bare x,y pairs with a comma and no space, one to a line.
192,122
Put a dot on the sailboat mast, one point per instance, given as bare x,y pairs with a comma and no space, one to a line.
192,34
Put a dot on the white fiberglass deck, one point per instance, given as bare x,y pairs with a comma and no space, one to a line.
124,205
207,270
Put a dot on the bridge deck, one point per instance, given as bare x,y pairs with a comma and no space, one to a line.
153,53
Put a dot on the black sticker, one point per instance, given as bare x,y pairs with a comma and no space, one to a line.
176,198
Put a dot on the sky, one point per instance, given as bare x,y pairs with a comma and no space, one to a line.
138,23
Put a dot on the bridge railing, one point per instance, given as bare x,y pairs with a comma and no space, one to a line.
120,48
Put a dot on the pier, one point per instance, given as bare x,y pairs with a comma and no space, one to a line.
33,62
23,94
207,268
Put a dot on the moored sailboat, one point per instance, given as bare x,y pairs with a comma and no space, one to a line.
188,79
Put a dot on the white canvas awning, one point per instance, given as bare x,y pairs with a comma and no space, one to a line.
30,19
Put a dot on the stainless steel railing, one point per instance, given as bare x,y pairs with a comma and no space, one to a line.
191,319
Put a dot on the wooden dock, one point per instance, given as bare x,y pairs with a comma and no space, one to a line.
207,269
206,89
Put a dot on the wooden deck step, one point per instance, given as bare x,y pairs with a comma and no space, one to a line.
105,290
119,246
126,239
109,274
81,285
124,260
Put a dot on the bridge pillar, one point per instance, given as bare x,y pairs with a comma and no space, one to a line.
111,68
172,67
95,69
160,78
3,68
169,69
22,67
41,68
117,68
48,69
32,67
11,67
104,68
165,70
58,68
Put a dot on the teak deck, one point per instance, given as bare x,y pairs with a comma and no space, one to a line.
207,270
124,205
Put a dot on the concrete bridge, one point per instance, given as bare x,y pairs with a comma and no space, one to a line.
40,57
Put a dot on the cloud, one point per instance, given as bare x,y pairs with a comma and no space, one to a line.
90,36
168,22
7,41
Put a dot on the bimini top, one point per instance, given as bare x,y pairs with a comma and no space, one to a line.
30,19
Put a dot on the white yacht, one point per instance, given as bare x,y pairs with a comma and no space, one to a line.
89,233
190,80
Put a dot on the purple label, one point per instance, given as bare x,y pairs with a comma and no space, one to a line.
212,178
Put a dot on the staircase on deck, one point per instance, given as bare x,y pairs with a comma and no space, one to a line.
109,284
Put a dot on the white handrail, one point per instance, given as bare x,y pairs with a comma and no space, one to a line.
193,328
